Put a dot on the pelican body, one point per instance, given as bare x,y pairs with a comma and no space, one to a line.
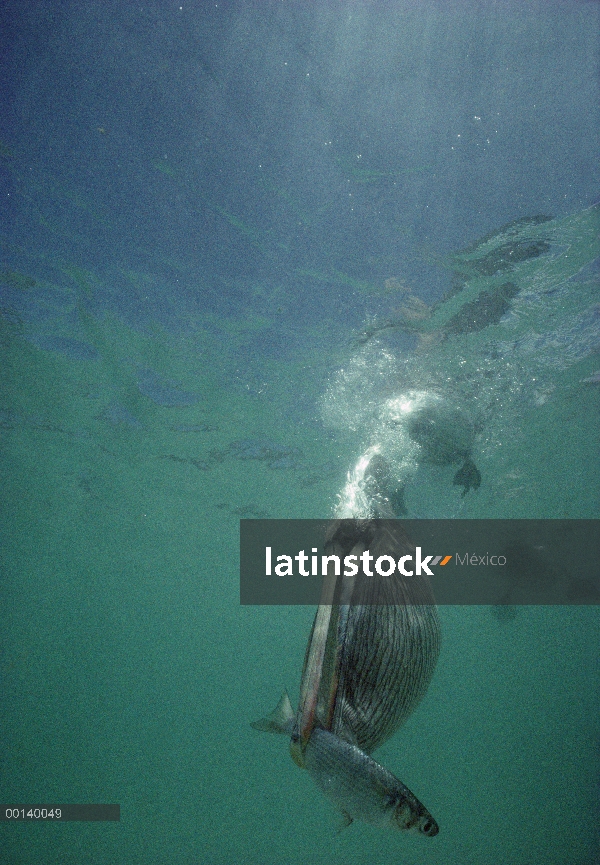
371,656
369,660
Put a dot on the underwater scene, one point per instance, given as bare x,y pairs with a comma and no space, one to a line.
248,250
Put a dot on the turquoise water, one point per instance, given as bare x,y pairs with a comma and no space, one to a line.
131,674
205,208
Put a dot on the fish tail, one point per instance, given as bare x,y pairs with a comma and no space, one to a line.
281,719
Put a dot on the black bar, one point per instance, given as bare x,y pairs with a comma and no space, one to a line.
58,813
492,562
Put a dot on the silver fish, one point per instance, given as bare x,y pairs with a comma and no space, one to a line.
363,789
358,786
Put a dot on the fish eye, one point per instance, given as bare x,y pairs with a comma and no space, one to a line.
428,827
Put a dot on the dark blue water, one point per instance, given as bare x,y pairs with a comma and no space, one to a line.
203,206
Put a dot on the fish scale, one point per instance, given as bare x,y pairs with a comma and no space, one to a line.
358,785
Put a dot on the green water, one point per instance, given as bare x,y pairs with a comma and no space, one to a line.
130,673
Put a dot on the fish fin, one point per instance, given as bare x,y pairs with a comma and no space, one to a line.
345,821
281,719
